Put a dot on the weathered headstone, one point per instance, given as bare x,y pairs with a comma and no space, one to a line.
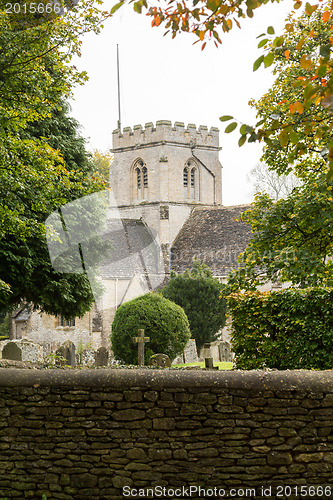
162,360
190,352
225,353
21,350
86,357
101,357
189,355
140,340
67,351
12,351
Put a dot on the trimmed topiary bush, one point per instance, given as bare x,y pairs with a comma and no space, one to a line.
163,321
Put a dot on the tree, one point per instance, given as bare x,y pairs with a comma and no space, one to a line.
197,292
164,323
62,133
295,116
311,54
292,239
267,180
101,163
292,236
35,78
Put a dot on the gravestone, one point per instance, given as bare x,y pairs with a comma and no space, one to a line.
67,351
225,353
160,360
12,351
101,357
86,357
22,350
189,355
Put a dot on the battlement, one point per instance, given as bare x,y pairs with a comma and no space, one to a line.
165,132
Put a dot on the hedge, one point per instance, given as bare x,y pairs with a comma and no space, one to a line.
286,329
164,322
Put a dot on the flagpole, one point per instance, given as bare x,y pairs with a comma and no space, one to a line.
119,116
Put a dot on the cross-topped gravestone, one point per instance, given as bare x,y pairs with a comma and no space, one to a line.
140,340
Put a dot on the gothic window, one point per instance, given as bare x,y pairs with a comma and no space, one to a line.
191,181
140,180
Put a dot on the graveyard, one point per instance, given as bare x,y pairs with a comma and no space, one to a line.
156,340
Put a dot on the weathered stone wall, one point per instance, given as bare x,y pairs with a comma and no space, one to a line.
72,434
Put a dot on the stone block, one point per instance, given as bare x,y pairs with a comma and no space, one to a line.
128,415
164,423
279,458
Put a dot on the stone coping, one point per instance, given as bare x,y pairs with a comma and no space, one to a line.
258,380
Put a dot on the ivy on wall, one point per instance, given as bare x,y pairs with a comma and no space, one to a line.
286,329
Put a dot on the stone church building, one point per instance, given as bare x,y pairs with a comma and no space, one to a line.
167,181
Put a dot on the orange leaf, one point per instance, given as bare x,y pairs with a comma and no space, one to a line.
203,46
281,102
202,35
296,106
287,54
311,33
156,21
326,16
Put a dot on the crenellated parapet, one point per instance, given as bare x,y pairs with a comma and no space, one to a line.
165,132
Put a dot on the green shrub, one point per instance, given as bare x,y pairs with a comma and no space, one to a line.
163,321
197,292
287,329
4,326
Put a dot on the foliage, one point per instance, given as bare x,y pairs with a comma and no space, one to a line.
62,133
288,329
197,292
269,181
35,80
101,163
292,239
164,322
305,48
30,189
4,326
205,18
295,116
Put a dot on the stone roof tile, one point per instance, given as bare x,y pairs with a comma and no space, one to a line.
214,237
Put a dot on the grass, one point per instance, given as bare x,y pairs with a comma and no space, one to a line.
222,365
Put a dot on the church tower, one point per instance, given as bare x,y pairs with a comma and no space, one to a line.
160,173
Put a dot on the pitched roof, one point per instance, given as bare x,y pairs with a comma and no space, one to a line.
134,251
214,236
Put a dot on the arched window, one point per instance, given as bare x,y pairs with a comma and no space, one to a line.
140,184
191,181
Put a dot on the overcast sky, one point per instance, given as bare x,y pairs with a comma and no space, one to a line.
165,79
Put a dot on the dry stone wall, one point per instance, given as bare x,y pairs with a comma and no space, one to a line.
106,433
